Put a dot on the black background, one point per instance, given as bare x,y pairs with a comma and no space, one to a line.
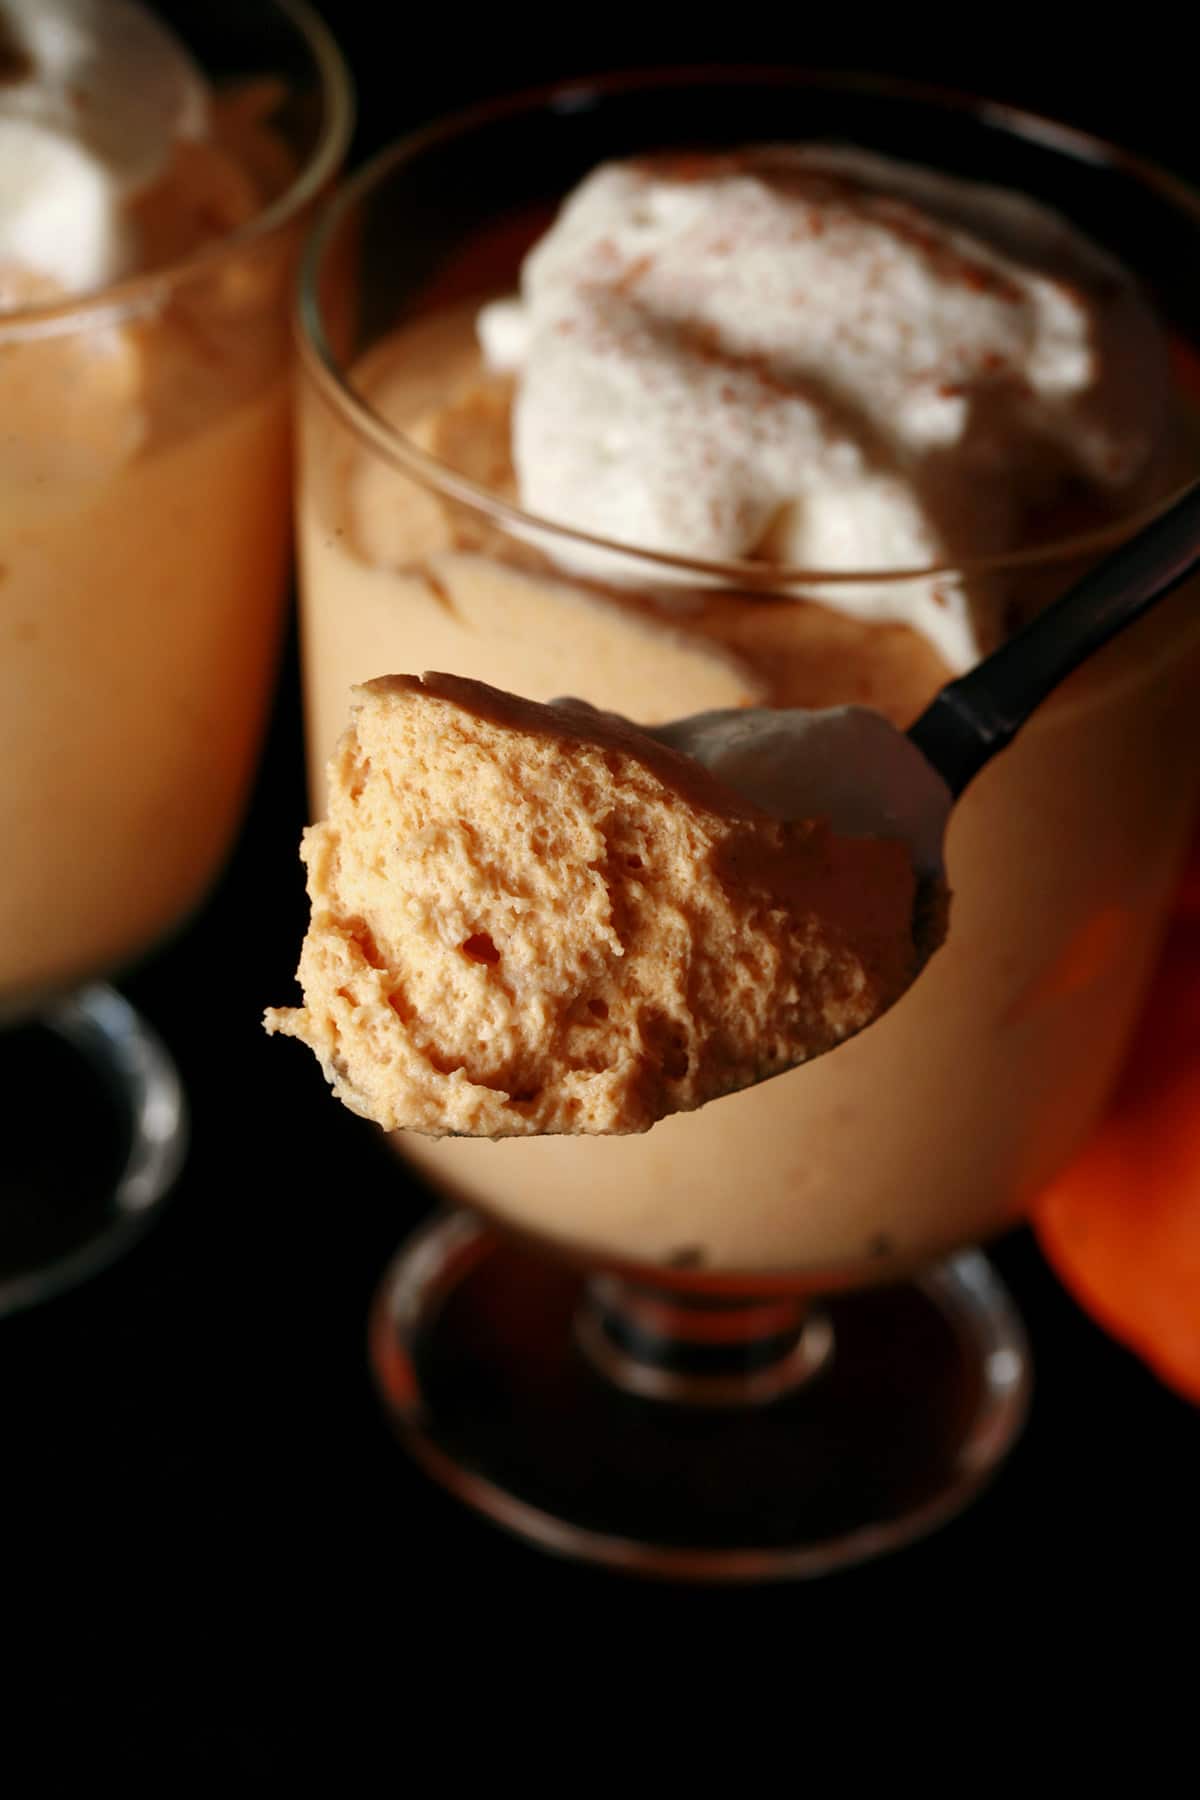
1127,76
207,1520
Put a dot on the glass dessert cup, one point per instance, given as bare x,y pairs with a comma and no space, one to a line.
749,1343
144,526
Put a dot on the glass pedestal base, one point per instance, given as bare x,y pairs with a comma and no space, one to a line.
542,1398
96,1131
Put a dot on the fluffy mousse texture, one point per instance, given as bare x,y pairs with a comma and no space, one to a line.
531,919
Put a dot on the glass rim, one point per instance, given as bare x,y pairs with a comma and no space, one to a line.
118,297
573,94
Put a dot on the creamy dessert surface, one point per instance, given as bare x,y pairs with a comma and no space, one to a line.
823,357
118,158
411,577
82,398
531,919
813,645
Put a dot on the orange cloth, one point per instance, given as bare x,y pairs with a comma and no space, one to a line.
1121,1225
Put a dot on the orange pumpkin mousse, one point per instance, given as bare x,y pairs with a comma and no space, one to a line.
535,919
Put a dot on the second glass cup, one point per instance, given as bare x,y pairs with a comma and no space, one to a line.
716,1232
145,476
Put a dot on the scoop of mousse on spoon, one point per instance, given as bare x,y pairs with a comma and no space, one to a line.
531,919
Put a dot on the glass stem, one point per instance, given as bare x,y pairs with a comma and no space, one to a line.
700,1349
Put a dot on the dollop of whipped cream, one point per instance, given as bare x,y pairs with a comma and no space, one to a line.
846,764
93,96
825,358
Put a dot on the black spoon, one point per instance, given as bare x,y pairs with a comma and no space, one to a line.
850,765
972,718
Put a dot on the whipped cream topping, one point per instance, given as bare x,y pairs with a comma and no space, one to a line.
827,359
846,764
93,96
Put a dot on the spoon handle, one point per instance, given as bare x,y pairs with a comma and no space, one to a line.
974,717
